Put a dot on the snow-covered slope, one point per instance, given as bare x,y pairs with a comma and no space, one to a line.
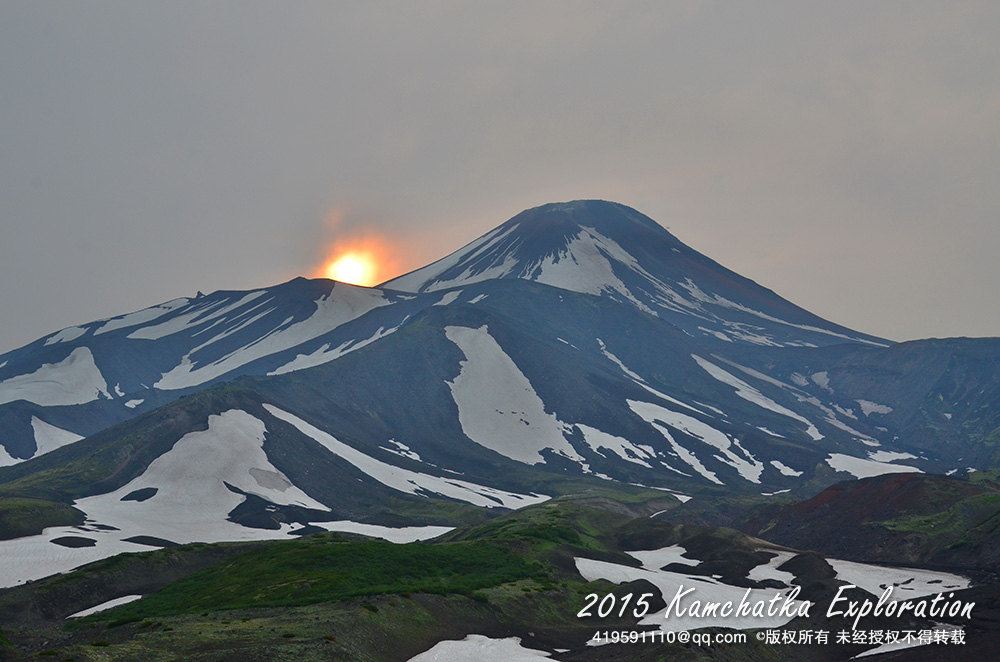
87,377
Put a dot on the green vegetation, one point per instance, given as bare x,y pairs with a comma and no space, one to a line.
330,595
548,526
972,524
25,516
325,569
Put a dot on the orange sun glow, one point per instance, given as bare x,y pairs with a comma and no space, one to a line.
356,268
367,260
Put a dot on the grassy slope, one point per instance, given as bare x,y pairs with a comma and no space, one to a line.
508,574
25,516
327,569
895,518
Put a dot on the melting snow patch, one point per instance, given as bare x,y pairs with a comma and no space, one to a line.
908,583
6,459
66,335
821,379
889,456
482,649
624,449
191,504
497,406
428,279
401,450
748,467
583,266
868,407
770,570
398,535
73,381
143,316
861,468
104,606
750,394
785,469
49,437
324,354
642,382
448,298
657,558
198,315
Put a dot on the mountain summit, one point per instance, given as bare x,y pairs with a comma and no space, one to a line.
609,249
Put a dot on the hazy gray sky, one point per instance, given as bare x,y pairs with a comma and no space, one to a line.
846,155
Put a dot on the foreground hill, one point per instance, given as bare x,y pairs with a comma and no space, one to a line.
523,575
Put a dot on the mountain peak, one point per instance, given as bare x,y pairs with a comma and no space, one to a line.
603,215
612,250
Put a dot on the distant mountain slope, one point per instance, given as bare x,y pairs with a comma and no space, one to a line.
85,378
903,519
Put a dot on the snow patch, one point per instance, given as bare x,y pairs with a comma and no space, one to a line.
482,649
785,469
66,335
199,315
868,407
623,448
908,583
861,468
75,380
890,456
497,406
750,394
747,465
48,437
770,570
448,298
6,459
192,502
399,535
144,316
324,354
104,606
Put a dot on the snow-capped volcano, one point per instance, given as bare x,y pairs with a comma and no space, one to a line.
609,249
578,344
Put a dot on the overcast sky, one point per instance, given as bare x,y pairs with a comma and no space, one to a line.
846,155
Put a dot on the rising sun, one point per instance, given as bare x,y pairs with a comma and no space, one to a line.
355,268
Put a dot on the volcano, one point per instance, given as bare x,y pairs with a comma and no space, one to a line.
576,347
